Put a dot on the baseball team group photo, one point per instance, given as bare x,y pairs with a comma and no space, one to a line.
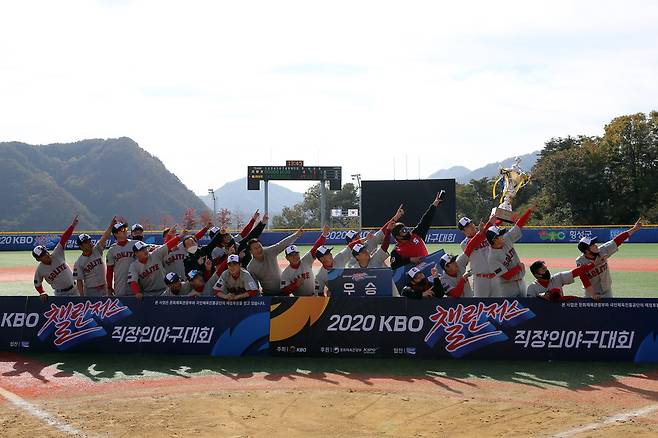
307,219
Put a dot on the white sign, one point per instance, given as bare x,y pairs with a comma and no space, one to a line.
353,212
336,212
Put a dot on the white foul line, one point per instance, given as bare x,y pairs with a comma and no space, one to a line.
40,413
618,418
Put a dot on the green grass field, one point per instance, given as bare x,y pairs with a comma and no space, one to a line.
626,284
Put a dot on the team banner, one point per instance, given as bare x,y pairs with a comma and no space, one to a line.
126,325
401,278
360,282
507,329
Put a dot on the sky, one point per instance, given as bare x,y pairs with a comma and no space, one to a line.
384,89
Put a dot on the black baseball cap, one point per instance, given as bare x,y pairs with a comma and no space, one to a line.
463,223
137,227
213,232
322,251
445,259
38,251
139,245
494,232
358,248
351,235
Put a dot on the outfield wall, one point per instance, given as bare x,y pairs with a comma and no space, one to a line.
27,241
509,329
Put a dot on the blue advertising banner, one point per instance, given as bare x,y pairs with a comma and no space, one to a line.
25,242
506,329
126,325
360,282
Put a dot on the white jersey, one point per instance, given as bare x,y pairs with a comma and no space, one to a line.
340,260
557,281
230,285
91,269
504,259
174,261
479,257
184,290
449,282
150,275
57,274
377,259
305,271
120,257
599,275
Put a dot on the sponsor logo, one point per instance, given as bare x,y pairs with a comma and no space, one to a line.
73,324
468,328
552,235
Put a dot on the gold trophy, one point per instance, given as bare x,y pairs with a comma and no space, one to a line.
510,182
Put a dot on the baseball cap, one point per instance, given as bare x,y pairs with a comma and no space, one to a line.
171,278
119,226
137,227
291,250
586,242
356,249
463,223
233,258
350,235
445,259
494,232
82,238
38,251
413,271
323,250
194,273
139,245
213,232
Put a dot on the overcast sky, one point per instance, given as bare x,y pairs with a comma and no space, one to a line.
211,87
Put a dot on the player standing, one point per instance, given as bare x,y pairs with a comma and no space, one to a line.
599,275
53,267
89,270
146,273
298,278
504,261
485,282
264,266
119,258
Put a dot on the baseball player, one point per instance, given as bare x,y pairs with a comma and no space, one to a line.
422,287
454,278
329,262
174,262
235,283
53,267
485,282
146,273
89,270
599,275
366,260
119,258
175,287
549,287
197,255
137,232
198,283
410,244
298,278
264,266
504,260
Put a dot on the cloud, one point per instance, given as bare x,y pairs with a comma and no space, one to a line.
211,87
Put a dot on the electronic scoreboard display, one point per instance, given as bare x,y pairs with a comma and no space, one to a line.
255,174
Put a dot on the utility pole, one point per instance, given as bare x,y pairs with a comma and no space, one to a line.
211,192
357,178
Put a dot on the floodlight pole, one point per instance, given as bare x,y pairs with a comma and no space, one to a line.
323,203
357,178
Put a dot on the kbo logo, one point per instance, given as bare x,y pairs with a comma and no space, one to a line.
19,320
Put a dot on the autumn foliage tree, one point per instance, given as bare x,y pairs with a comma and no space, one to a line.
189,219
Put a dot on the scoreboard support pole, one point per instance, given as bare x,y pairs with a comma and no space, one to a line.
267,204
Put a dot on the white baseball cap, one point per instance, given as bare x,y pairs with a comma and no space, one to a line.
350,235
137,227
463,223
233,258
291,250
356,249
39,250
445,259
322,251
413,271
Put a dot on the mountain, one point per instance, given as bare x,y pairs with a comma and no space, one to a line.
235,197
45,186
464,175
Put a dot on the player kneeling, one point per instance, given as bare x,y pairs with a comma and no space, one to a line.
235,283
549,287
176,287
423,287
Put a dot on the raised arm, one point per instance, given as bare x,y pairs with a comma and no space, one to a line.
68,232
247,228
426,220
621,238
106,235
318,243
281,245
202,232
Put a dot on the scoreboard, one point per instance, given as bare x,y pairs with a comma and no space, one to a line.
255,174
